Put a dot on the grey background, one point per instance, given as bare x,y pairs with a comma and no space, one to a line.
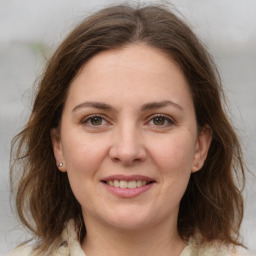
30,30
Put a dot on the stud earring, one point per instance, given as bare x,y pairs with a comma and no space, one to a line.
60,164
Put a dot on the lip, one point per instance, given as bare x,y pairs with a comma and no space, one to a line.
128,192
128,177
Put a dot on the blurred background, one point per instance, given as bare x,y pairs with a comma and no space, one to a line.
30,31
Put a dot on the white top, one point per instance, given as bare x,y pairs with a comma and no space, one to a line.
71,247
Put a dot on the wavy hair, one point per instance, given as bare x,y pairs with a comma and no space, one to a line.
212,203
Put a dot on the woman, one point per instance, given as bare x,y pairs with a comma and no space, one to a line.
128,150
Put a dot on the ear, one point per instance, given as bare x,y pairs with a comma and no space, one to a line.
57,149
201,148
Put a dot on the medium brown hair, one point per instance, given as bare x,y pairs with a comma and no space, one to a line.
212,203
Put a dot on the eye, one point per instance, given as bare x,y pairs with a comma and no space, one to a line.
95,120
161,120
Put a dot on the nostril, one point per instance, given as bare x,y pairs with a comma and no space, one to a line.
116,159
127,153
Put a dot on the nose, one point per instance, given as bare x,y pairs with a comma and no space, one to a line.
127,146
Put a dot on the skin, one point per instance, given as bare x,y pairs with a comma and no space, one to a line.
129,138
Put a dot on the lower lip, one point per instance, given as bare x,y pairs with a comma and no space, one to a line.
128,192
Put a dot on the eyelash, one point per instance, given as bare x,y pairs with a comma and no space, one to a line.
165,118
89,118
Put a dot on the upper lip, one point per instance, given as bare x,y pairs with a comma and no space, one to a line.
128,177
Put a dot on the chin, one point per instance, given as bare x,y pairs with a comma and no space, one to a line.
130,225
131,220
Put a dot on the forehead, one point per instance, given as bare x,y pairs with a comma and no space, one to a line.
130,58
136,70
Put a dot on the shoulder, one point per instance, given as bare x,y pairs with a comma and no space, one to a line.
25,250
212,249
69,245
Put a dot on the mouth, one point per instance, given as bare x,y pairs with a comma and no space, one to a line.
128,186
132,184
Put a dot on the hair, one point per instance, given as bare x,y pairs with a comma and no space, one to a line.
212,204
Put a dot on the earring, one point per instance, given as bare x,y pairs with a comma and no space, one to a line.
60,164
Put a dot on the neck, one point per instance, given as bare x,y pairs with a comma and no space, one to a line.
158,240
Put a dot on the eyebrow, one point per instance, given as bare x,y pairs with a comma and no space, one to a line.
147,106
161,104
93,104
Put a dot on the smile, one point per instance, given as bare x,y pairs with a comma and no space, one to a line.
127,184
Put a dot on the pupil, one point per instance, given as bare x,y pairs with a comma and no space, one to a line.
159,120
96,120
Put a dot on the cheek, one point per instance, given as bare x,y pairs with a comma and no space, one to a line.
83,158
83,154
174,155
173,158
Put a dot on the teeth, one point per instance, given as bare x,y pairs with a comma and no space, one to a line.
126,184
132,184
123,184
116,183
139,183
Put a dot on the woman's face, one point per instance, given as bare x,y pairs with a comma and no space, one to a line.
128,138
